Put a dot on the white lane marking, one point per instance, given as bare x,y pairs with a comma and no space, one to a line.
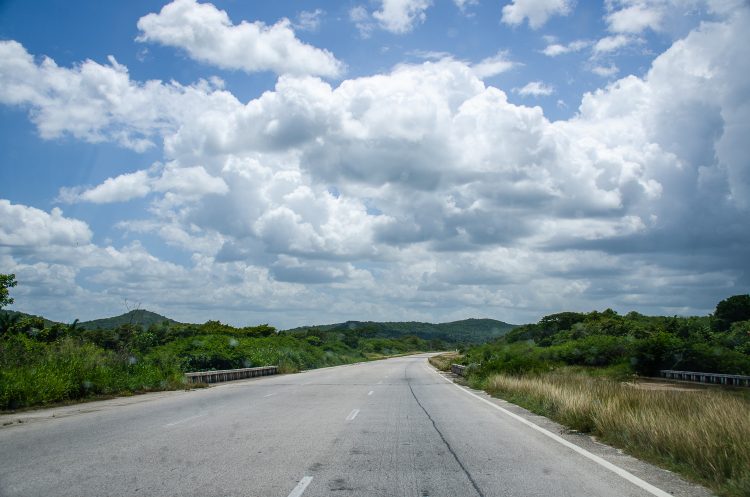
380,382
352,415
268,395
370,393
186,419
602,462
301,486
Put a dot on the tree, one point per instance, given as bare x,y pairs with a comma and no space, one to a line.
6,281
731,310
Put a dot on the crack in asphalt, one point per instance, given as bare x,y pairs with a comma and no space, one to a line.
450,449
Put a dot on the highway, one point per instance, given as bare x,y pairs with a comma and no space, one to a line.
386,428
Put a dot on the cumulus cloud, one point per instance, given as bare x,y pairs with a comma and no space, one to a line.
119,189
309,20
96,103
612,43
27,227
401,16
535,89
362,20
635,16
421,191
555,49
186,181
208,35
605,71
536,11
492,66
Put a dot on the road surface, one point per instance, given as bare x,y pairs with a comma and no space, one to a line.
386,428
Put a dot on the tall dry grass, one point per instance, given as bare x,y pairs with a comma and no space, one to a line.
443,361
702,434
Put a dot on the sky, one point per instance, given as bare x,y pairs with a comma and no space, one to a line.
310,162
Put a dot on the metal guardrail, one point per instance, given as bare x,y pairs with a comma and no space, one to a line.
458,369
229,374
715,378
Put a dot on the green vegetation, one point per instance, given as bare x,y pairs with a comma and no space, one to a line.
581,370
40,365
6,281
630,344
44,362
465,331
140,317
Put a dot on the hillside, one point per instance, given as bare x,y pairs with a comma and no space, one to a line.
464,331
13,316
139,316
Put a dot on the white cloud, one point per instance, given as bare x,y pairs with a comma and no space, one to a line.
421,192
207,35
99,103
400,16
605,71
492,66
27,227
535,89
536,11
555,49
362,20
463,4
635,17
187,181
309,20
612,43
122,188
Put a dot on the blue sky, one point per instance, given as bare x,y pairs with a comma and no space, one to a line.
311,162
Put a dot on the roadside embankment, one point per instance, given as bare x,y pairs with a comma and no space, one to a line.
702,434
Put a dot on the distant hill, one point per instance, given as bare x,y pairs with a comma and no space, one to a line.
21,315
465,331
139,316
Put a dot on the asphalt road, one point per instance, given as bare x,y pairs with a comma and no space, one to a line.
385,428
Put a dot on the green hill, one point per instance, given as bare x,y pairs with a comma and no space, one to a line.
139,316
13,316
464,331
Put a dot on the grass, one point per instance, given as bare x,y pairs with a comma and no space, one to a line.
443,361
67,370
35,373
705,435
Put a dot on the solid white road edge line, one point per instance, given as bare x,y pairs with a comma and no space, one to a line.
183,420
301,486
602,462
352,414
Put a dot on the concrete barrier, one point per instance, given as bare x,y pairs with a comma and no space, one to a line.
458,369
715,378
229,374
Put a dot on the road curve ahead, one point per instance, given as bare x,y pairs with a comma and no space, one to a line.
385,428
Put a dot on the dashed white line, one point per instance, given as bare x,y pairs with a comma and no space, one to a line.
301,486
186,419
352,415
370,392
268,395
598,460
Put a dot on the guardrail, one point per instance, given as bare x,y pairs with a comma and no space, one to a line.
458,369
229,374
715,378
